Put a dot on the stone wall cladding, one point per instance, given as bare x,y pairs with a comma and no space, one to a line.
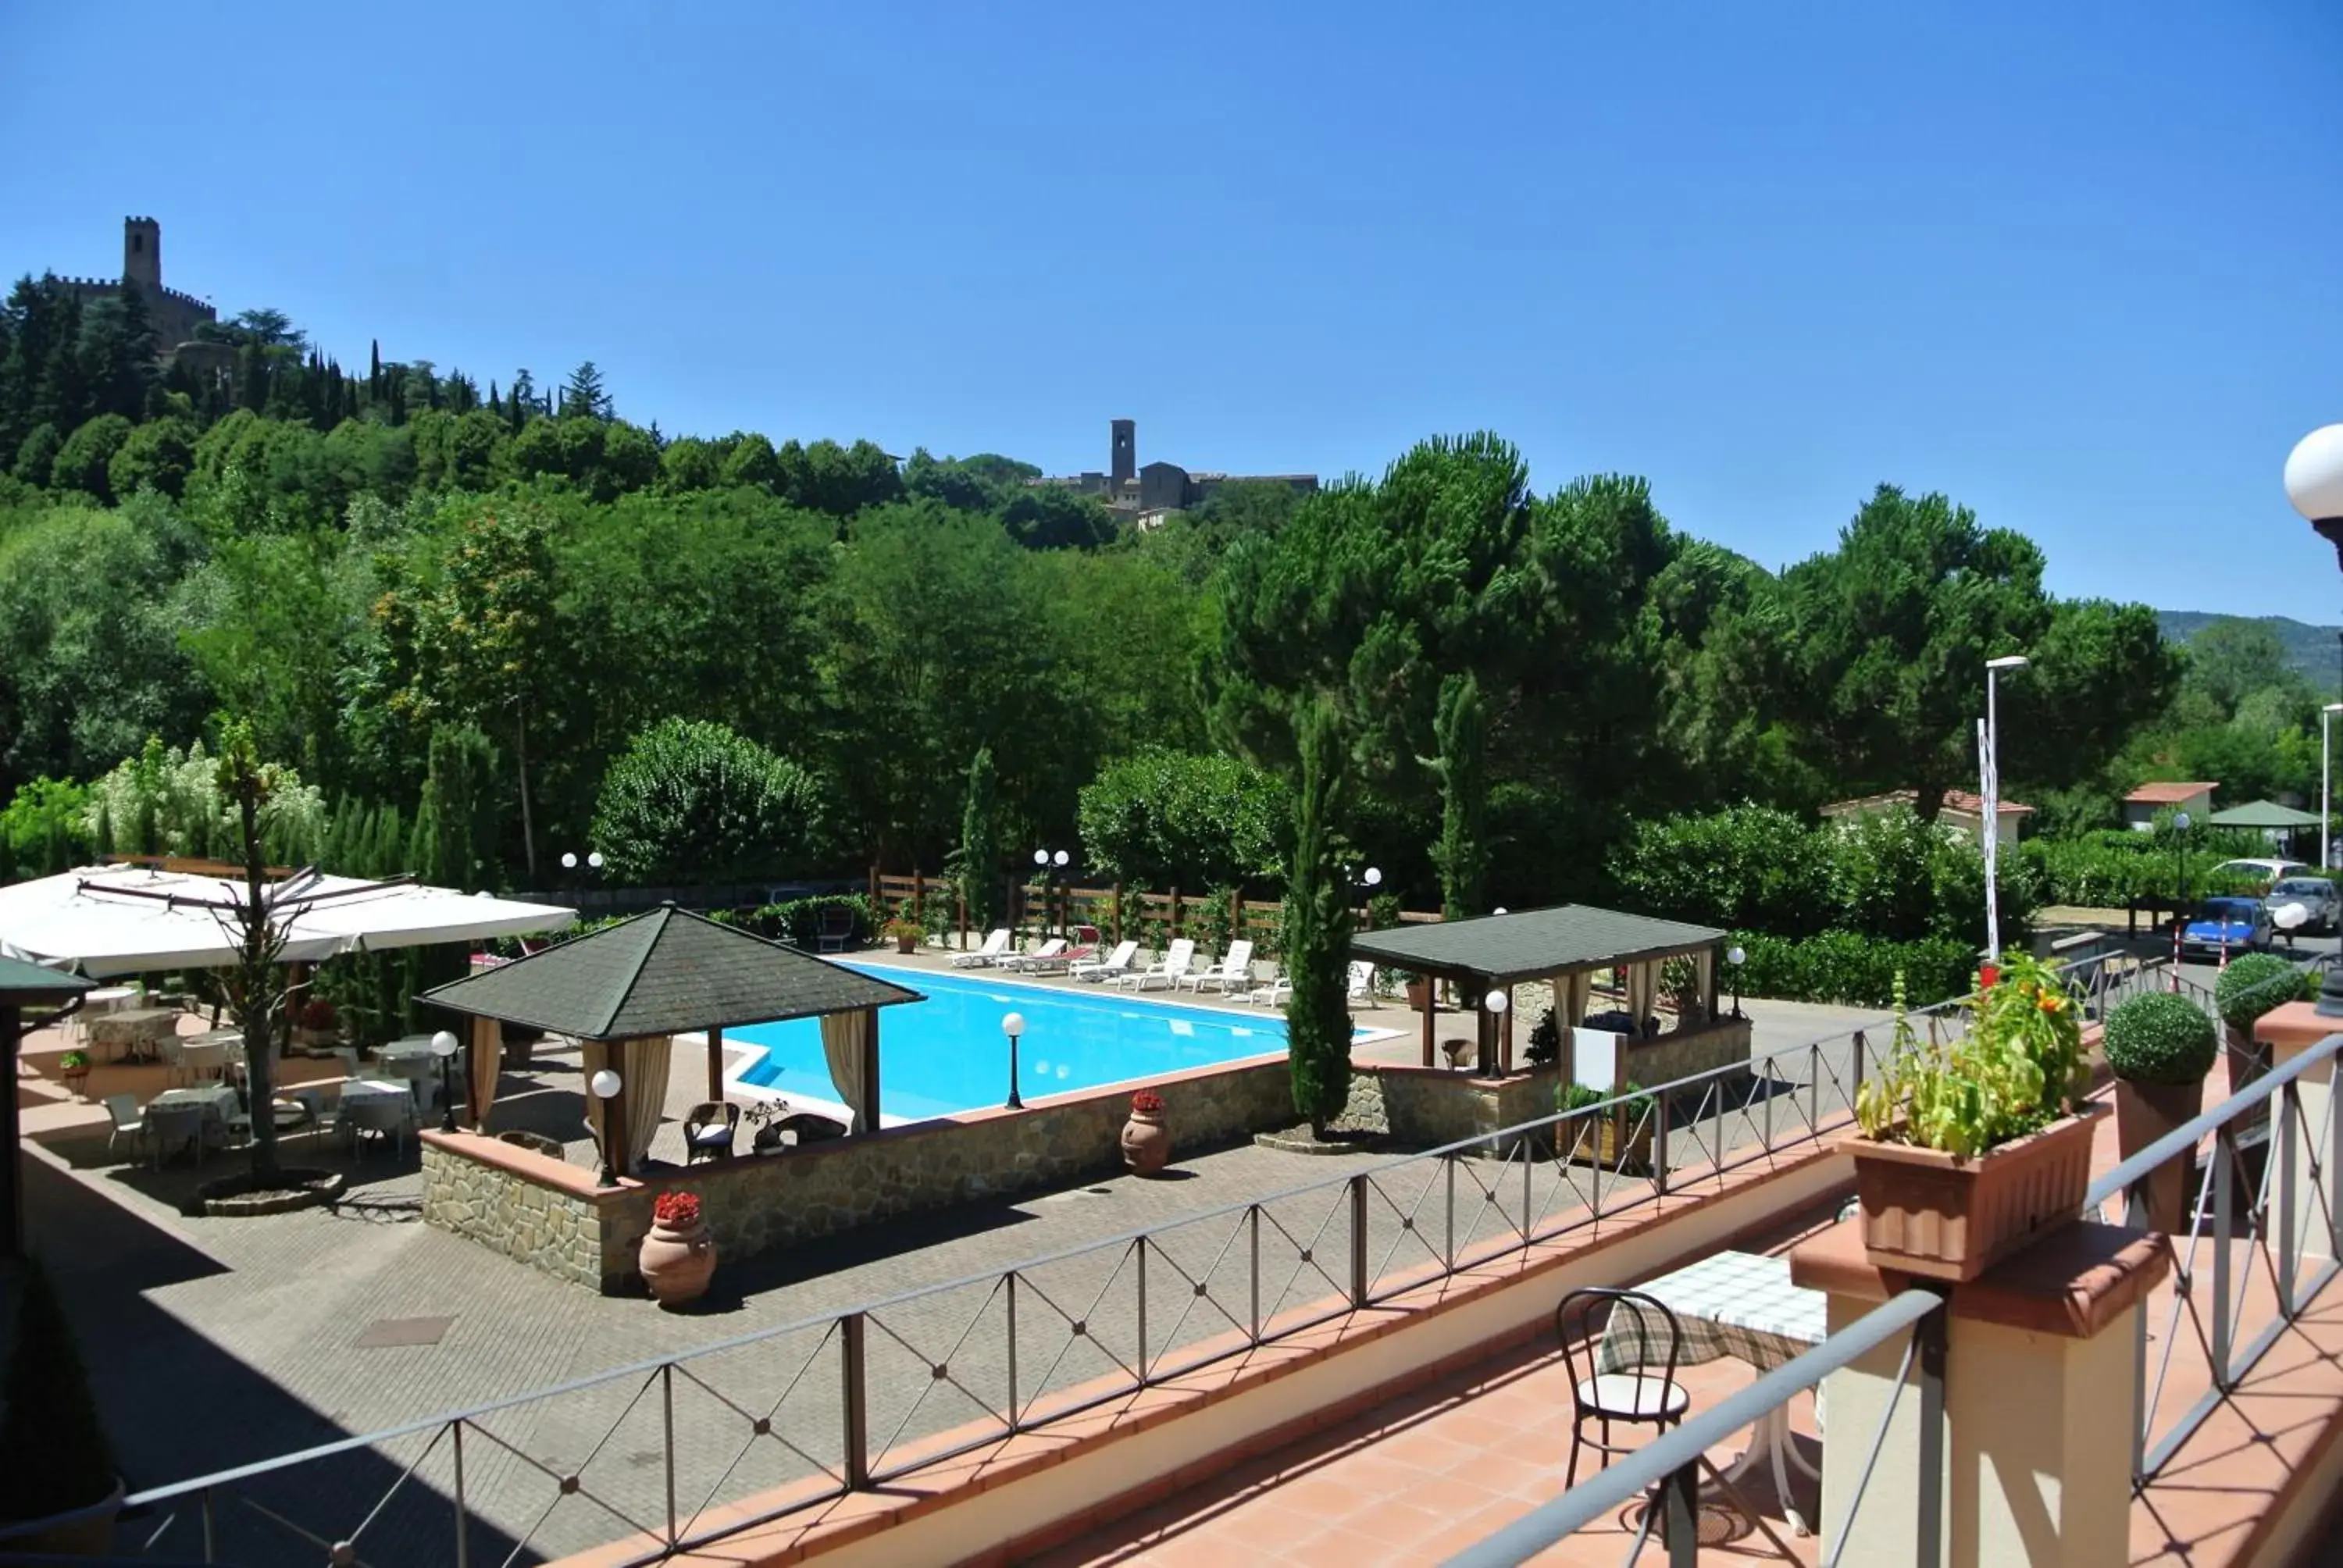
754,1203
1428,1107
552,1230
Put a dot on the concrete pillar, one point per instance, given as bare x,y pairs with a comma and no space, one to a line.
2034,1436
2290,1031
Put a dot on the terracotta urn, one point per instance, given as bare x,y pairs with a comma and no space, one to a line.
1146,1142
677,1256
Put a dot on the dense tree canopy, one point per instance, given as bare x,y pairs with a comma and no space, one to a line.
395,576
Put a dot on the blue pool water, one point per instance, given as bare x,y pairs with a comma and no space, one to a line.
948,1053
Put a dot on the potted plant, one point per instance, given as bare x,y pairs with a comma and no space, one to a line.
1419,992
905,933
1545,1041
1146,1141
1619,1139
73,1068
1971,1148
56,1463
2252,985
679,1255
2159,1045
315,1024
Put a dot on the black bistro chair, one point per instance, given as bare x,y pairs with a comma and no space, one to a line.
1644,1392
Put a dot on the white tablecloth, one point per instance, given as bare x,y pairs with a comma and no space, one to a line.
1739,1304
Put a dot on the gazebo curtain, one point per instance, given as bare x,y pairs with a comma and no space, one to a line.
642,1064
845,1038
1577,987
485,1051
1639,995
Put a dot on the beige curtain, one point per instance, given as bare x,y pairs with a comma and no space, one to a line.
641,1065
1577,989
645,1070
845,1038
1640,978
485,1048
1703,965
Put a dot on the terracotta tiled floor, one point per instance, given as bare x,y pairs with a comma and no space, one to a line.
1423,1476
1419,1477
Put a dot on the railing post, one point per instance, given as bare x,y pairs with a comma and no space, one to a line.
1142,1309
211,1512
852,1367
2289,1109
1660,1145
1449,1160
667,1417
1678,1504
1529,1171
1765,1124
1359,1240
1933,1333
2224,1151
1815,1091
1013,1419
1252,1224
1855,1079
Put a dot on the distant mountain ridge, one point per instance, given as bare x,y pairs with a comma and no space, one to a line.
2311,649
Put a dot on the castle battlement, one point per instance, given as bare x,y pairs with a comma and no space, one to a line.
174,315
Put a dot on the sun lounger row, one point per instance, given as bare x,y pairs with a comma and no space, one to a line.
1230,974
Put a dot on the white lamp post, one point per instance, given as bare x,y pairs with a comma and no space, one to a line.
605,1086
1012,1025
1991,770
2314,482
1737,957
443,1046
2326,780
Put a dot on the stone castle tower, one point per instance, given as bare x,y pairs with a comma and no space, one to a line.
1123,453
175,316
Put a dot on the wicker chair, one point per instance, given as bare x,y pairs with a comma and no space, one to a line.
707,1130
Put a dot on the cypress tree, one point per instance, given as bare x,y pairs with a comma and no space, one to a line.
1462,854
1318,928
980,843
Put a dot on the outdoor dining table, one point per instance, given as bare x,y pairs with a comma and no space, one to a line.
139,1030
407,1047
218,1100
1738,1305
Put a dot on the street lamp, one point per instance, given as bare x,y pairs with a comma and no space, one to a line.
569,860
2180,869
1048,864
1734,958
1990,759
1012,1025
2326,776
2314,482
443,1046
605,1086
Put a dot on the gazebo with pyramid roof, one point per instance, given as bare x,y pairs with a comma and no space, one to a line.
625,991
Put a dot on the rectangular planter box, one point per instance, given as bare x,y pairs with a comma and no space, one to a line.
1944,1217
1604,1143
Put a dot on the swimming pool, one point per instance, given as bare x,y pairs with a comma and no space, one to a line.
948,1053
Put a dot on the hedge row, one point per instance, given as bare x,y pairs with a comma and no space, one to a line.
1849,968
2106,870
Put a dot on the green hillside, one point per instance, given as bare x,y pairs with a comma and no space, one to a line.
2312,650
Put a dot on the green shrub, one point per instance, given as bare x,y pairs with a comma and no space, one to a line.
798,922
2161,1037
1169,818
2252,985
691,801
54,1454
1845,967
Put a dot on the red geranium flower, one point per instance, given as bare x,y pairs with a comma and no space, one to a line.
677,1210
1147,1101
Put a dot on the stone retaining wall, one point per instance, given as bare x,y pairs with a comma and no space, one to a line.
547,1214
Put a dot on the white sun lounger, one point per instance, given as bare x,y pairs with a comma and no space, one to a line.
985,957
1176,959
1234,966
1034,959
1117,962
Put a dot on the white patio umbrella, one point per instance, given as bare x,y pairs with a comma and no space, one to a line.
123,920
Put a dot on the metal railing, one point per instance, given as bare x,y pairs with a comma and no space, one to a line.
1667,1472
2258,1245
842,1401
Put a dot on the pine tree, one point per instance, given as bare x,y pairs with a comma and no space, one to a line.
583,396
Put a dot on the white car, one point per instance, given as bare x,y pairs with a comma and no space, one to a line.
2263,873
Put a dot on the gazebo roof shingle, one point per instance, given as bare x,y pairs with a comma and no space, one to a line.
21,982
664,973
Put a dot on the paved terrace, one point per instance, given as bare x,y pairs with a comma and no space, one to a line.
1415,1479
215,1342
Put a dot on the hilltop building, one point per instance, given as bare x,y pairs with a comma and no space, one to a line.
175,316
1146,493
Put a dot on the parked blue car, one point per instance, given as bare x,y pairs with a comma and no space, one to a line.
2236,925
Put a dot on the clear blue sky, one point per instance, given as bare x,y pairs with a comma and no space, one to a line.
2077,265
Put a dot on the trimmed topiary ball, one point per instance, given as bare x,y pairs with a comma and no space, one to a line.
2160,1038
2252,985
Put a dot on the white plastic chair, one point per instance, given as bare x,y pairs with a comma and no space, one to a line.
123,1109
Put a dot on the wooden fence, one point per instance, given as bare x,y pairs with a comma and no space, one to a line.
1116,911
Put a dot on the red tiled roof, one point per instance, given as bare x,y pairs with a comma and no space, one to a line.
1954,800
2171,794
